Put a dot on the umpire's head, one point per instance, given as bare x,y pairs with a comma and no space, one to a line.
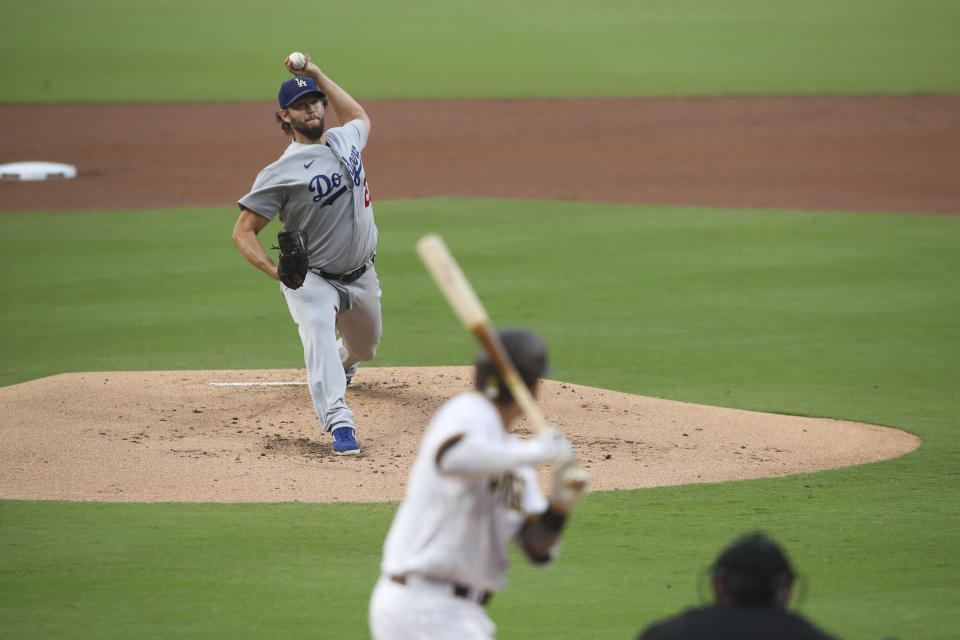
528,352
753,572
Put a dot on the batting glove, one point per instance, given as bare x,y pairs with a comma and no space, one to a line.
570,483
551,447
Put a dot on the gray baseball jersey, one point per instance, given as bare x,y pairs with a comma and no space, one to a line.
323,190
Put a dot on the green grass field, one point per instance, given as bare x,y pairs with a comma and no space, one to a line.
840,315
752,309
63,51
300,570
846,316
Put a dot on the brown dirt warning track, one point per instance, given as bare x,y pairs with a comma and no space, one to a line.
895,154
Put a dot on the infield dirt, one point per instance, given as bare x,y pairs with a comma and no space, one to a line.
892,154
233,436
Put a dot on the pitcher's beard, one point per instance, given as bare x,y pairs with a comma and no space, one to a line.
311,131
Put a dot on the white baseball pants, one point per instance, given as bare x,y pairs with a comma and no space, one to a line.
320,308
424,610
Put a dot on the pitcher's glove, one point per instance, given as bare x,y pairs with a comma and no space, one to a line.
294,259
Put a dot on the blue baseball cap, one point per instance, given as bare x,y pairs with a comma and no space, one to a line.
296,87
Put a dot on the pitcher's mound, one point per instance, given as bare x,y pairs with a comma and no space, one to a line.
252,436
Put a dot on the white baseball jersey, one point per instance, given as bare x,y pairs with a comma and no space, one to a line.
456,527
323,190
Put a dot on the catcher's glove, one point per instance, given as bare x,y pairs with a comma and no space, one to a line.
294,259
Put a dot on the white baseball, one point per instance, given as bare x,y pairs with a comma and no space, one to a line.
297,60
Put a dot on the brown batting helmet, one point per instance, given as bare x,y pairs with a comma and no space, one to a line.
527,351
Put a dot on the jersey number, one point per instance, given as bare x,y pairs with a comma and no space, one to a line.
366,193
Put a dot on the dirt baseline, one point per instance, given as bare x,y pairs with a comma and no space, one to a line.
239,436
871,154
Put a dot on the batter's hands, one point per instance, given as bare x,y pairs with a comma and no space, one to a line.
570,483
551,446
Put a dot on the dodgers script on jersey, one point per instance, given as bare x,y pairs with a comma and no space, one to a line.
456,527
323,190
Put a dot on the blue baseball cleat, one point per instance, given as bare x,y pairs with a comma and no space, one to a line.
344,442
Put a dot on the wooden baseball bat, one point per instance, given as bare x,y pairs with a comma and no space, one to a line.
463,300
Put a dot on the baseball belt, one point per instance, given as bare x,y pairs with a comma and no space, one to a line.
459,590
349,276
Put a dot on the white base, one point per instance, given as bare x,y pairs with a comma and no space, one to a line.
37,171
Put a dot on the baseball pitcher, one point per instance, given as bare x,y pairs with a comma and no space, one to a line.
318,188
471,491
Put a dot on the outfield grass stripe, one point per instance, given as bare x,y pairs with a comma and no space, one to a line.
120,51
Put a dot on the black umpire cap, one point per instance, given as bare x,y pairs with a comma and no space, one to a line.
754,571
528,352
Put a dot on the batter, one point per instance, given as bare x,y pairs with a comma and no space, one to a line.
319,187
472,490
